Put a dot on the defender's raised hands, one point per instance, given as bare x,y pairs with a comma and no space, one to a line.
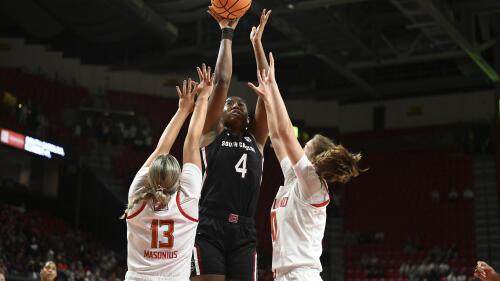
206,85
256,33
187,95
266,79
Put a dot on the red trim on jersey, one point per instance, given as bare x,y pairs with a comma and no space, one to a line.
178,200
321,204
138,211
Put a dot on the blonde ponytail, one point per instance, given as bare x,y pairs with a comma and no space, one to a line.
163,181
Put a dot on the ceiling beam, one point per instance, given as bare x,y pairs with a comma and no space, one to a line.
416,58
477,5
314,4
400,88
460,40
238,49
147,16
297,37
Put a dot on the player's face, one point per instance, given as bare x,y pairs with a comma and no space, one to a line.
235,113
49,271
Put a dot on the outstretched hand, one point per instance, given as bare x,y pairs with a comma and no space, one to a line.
204,88
484,272
256,33
186,95
223,23
266,79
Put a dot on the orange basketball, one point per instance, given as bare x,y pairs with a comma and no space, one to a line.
230,9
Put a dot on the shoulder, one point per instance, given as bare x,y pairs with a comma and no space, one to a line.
249,134
140,180
212,135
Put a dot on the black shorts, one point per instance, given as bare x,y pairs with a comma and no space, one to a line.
225,248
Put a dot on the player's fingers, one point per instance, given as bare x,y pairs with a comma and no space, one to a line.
184,87
204,69
200,74
271,60
209,74
254,88
190,85
260,78
179,93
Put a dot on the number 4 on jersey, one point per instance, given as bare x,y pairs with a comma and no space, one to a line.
241,166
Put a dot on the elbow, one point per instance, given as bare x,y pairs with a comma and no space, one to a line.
282,131
223,77
274,136
223,80
192,141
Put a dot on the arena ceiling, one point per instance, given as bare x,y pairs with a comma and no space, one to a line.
326,49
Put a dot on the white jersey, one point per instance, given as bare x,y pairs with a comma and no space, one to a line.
160,243
298,218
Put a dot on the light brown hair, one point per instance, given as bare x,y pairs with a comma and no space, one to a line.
333,162
163,182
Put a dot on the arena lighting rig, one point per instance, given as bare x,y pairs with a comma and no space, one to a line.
29,144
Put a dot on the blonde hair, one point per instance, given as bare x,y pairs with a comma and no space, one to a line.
163,182
334,162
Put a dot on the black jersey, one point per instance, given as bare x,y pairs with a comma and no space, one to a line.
232,174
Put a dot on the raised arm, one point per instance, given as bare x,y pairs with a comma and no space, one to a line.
264,92
485,272
259,126
279,115
223,73
191,151
186,104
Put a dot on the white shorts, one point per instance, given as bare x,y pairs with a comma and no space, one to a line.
300,274
133,276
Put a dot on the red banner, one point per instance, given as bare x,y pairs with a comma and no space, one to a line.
12,138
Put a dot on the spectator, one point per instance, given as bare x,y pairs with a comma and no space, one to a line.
468,193
435,196
451,277
132,130
404,269
453,195
42,123
77,132
48,272
24,113
443,269
30,237
461,276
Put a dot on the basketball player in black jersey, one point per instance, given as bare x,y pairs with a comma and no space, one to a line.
232,157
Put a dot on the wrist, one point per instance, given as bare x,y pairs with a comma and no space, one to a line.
227,33
184,111
256,41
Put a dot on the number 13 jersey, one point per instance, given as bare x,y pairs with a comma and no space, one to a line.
232,174
160,242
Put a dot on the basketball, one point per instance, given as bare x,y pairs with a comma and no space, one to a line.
230,9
